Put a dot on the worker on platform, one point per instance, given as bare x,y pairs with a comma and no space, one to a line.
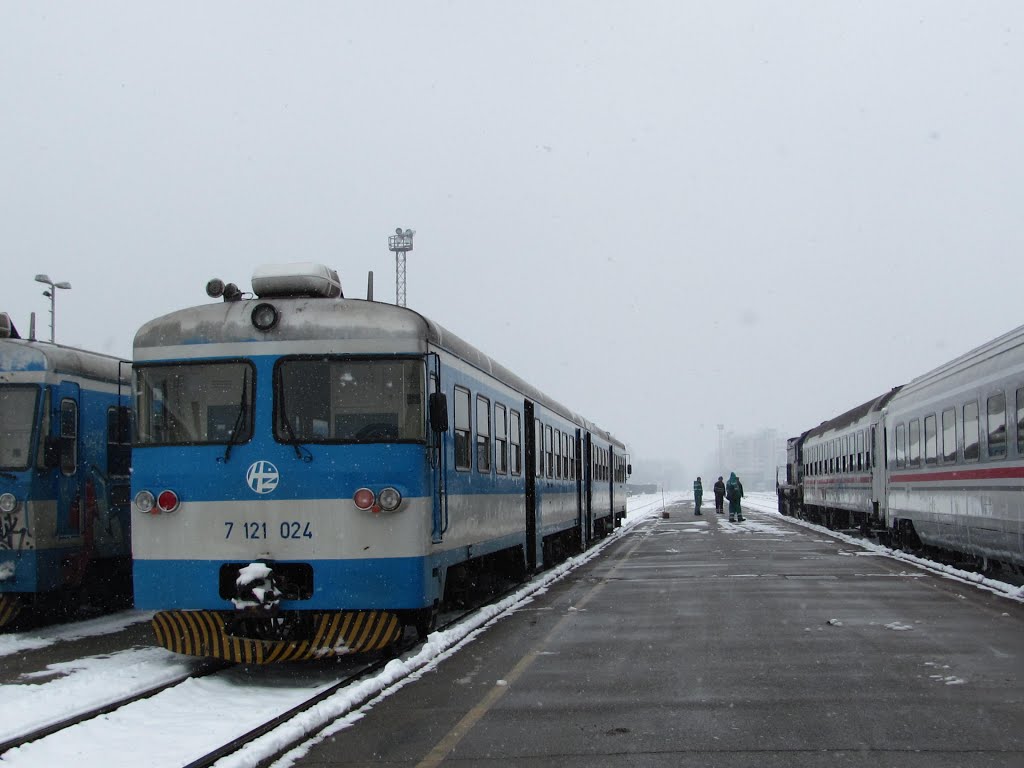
719,495
698,495
734,492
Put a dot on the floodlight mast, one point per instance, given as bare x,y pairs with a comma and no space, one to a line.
401,244
52,295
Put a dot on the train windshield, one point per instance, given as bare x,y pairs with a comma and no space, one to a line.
194,403
17,417
349,400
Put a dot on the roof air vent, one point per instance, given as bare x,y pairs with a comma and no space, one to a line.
304,279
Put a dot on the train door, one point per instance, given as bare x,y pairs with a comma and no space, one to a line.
577,469
438,451
69,503
879,474
588,496
530,476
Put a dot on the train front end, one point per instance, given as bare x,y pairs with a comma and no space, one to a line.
282,483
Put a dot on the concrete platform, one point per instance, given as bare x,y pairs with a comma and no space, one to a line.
691,641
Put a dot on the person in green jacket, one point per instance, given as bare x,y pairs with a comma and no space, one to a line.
734,492
698,495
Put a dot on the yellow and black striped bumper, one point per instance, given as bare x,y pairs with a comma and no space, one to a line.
203,633
10,607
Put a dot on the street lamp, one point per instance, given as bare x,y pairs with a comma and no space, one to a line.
52,295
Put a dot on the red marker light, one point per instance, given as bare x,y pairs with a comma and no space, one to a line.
364,498
167,501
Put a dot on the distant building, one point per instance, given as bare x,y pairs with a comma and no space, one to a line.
754,457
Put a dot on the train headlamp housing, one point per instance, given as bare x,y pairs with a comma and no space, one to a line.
167,501
264,316
364,499
389,499
8,503
144,501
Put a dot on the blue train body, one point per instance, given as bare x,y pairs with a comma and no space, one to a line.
312,473
64,472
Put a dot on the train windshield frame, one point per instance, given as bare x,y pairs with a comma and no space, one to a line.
206,402
19,404
344,399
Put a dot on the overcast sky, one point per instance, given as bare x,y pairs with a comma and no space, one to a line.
666,215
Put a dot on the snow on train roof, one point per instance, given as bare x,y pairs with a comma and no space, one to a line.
228,325
853,415
31,355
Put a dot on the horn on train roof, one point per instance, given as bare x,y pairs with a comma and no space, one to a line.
302,279
7,329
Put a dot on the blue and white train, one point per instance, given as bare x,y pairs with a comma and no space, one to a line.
65,450
313,473
937,463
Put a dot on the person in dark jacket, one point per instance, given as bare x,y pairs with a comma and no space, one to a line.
719,495
734,492
698,496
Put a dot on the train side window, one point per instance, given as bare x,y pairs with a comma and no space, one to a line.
572,457
557,436
549,452
844,447
516,435
914,442
901,445
68,437
500,439
860,451
565,455
463,452
538,447
949,435
971,436
868,448
997,426
1020,421
930,440
483,434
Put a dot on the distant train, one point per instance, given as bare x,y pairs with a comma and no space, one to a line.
937,463
313,473
65,443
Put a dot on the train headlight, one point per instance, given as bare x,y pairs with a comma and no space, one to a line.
264,317
144,501
364,498
8,503
389,499
167,501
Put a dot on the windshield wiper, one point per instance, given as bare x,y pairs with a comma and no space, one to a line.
287,426
243,411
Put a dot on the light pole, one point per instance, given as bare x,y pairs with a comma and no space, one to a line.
401,244
52,295
720,428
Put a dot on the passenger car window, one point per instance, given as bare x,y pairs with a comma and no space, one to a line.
949,435
971,435
463,452
997,426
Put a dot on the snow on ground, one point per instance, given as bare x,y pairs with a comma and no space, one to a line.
247,697
85,684
767,502
17,642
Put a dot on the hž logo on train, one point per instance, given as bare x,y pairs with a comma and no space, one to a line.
262,477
